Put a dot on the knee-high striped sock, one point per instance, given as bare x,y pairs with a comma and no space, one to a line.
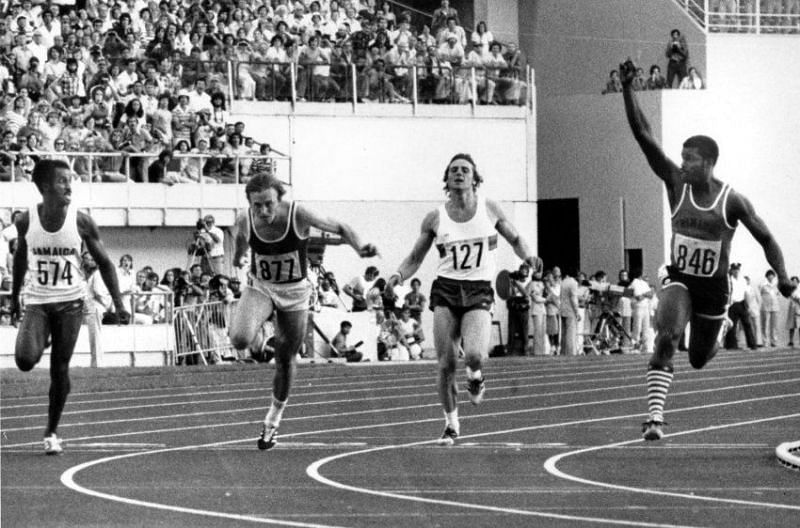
658,382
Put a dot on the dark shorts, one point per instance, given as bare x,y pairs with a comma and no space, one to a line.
61,322
461,296
710,296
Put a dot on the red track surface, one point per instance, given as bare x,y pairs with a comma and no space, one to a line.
555,443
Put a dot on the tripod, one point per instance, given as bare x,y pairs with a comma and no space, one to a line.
608,334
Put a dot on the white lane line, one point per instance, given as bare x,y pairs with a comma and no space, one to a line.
512,386
551,466
536,373
68,477
393,409
313,470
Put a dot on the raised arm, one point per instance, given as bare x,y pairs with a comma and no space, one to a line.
509,232
664,168
423,244
307,218
740,208
91,238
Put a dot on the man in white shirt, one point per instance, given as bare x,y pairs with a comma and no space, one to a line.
737,311
199,98
358,287
98,301
216,244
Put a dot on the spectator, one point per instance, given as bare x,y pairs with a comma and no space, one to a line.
537,295
216,239
441,14
613,85
452,29
98,302
640,81
737,310
358,288
552,290
126,280
411,332
753,300
327,297
640,307
339,346
793,313
623,305
656,81
769,309
693,81
678,55
157,172
415,300
570,314
482,38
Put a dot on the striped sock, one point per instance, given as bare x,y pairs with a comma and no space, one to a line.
658,382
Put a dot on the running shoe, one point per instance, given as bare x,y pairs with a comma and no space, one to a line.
651,430
476,388
52,445
268,438
448,437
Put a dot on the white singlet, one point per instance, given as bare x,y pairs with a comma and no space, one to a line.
467,249
54,261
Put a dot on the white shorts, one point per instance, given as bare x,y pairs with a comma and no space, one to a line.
288,297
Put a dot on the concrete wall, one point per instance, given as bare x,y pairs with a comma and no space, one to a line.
573,44
586,151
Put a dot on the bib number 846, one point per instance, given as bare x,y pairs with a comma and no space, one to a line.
700,262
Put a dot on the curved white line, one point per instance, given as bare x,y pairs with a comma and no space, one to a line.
313,470
68,479
550,466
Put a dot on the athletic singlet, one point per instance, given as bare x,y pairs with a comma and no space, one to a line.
279,261
54,261
701,236
467,249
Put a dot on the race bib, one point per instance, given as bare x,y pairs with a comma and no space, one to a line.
278,268
696,257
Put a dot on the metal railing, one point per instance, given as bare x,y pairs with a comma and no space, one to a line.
745,16
201,332
121,167
412,84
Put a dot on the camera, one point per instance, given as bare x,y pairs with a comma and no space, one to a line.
517,276
200,225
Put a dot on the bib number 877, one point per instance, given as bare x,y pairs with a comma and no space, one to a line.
700,262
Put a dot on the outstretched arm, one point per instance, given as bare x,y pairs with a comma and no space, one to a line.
242,246
664,168
509,232
91,238
413,261
741,209
308,218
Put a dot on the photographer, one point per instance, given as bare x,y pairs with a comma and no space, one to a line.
678,55
518,311
208,243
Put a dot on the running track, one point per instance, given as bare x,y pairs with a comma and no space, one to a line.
556,443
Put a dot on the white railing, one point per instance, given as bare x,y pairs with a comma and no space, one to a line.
744,16
201,332
90,167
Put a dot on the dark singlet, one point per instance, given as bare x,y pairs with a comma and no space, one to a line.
280,261
701,236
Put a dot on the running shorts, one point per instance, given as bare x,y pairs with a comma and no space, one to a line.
461,296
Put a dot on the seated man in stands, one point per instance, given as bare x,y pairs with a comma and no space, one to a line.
340,348
411,332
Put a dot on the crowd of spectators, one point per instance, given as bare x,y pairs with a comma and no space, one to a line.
679,74
139,76
749,16
551,308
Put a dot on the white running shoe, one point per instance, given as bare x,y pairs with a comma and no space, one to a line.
476,388
448,437
52,445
